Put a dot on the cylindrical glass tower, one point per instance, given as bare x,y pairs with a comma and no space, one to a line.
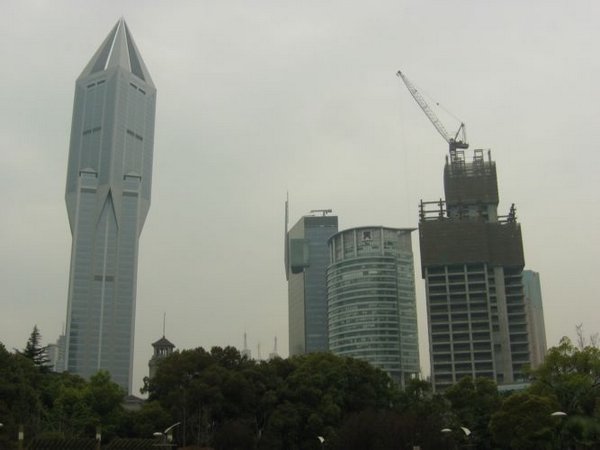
371,299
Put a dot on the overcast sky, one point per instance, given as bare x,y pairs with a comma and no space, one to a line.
259,98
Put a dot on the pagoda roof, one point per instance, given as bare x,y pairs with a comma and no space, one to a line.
163,342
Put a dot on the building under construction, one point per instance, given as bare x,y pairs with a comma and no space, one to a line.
472,262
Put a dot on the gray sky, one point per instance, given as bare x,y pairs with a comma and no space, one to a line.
259,98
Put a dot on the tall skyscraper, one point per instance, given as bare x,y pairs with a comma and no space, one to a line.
371,299
306,261
472,262
535,316
108,196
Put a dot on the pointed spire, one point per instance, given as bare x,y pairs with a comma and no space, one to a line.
118,50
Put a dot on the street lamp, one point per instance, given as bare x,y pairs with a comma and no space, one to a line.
166,436
98,437
448,431
559,415
321,440
464,430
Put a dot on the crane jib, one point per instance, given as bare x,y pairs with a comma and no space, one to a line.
453,142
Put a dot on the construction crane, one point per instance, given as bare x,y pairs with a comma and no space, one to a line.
460,138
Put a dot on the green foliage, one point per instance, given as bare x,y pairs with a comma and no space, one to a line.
235,435
51,405
383,429
226,401
19,399
284,402
152,417
427,412
473,402
524,422
34,351
572,376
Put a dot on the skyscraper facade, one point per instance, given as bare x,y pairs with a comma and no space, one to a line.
108,196
306,261
472,262
371,299
535,317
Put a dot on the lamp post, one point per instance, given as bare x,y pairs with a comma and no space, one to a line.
560,415
448,432
21,436
98,437
321,440
166,437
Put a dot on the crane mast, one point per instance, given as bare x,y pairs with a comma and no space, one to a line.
460,138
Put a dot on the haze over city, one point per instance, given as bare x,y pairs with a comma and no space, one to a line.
256,101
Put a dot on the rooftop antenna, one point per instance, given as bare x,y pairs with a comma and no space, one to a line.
164,322
275,346
258,356
323,212
245,341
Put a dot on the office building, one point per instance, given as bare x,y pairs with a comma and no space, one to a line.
472,262
371,299
108,196
306,261
535,317
56,355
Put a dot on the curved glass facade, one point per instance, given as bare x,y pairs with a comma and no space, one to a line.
371,299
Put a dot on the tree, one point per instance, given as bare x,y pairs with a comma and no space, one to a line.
428,412
384,429
19,396
151,418
583,341
224,399
203,390
524,422
34,350
571,375
473,402
315,396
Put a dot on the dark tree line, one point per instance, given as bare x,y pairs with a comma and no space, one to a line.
226,401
